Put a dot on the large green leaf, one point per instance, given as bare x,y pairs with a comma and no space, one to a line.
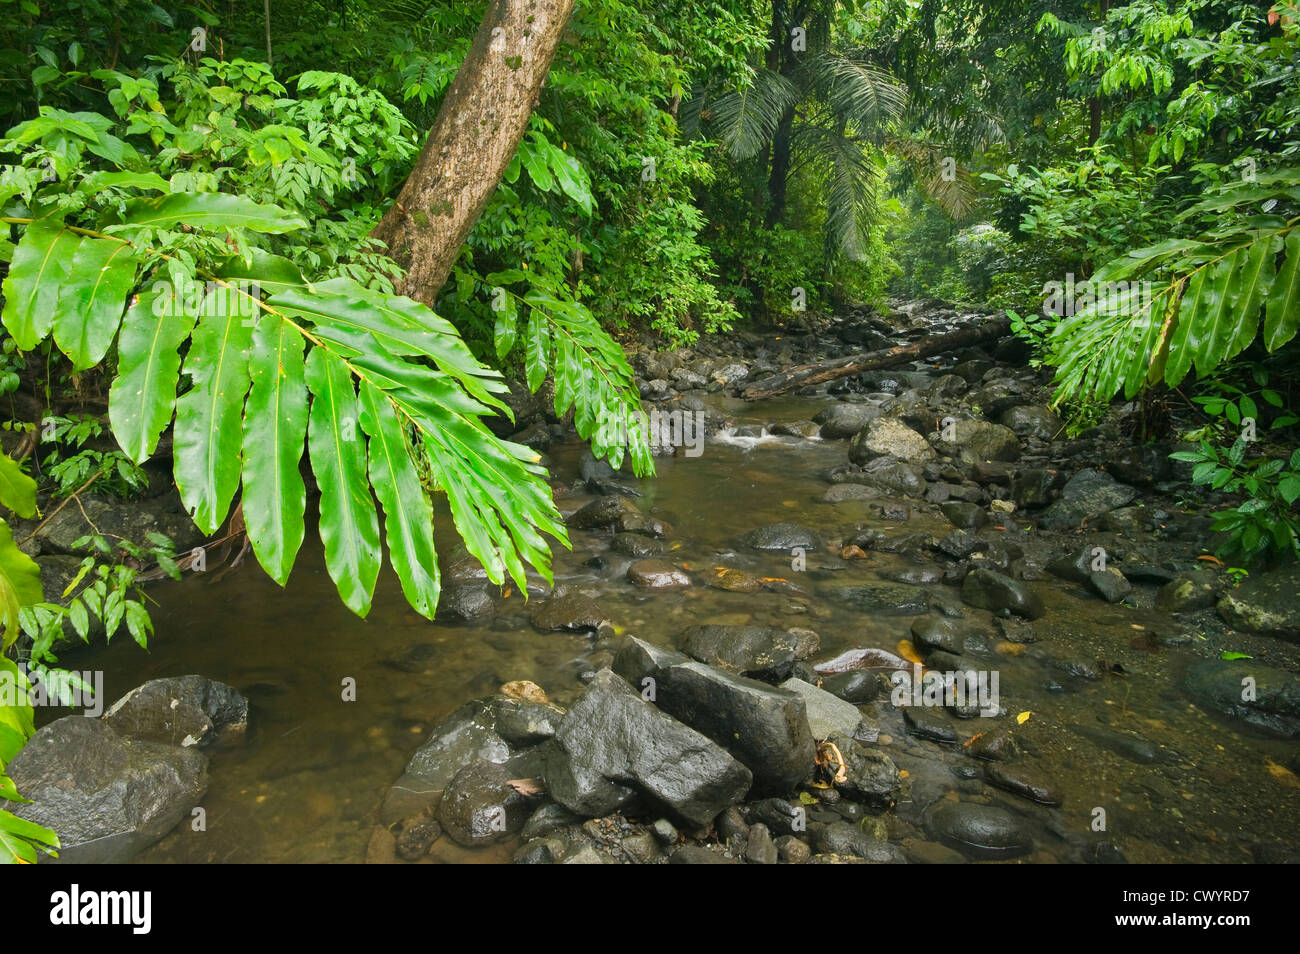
349,527
1282,309
208,210
142,397
275,426
92,296
408,518
19,838
209,416
17,490
20,584
36,275
358,320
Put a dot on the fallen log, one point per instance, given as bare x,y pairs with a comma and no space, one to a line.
820,372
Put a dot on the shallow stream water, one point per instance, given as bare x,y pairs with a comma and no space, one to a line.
306,785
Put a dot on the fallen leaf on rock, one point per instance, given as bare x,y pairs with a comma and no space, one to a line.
527,786
908,652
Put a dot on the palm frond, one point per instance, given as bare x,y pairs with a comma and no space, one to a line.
856,90
950,185
852,185
745,120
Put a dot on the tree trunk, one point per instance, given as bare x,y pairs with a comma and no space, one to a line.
776,187
476,134
820,372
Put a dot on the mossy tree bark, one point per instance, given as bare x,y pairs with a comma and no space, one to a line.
476,133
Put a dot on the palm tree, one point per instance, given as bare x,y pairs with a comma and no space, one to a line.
837,110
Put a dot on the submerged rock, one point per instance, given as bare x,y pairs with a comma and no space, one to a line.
1261,696
573,612
782,537
979,831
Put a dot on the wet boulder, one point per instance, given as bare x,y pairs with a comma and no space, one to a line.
480,806
571,612
181,710
760,652
871,777
601,513
657,575
464,601
827,714
107,796
1085,496
613,746
979,831
841,421
1265,604
889,437
764,727
1260,696
990,590
782,537
974,440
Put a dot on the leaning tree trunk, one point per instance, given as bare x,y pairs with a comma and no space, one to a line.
478,129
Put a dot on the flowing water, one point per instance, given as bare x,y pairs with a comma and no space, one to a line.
306,785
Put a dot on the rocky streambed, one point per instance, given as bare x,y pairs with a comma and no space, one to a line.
755,656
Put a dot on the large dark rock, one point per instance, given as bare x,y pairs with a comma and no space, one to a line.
601,513
657,575
760,652
1088,494
464,601
181,710
106,796
480,807
990,590
979,831
872,776
613,745
1033,421
844,420
572,612
782,537
764,727
469,734
1266,603
1261,696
